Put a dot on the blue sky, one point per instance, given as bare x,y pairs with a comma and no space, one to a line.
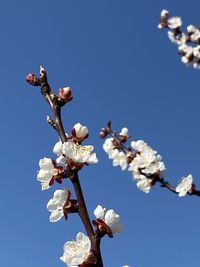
120,67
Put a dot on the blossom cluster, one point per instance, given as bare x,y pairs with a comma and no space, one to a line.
145,165
188,42
142,161
79,251
111,148
70,155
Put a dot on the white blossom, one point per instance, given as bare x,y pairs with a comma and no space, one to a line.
78,153
184,186
172,37
144,184
55,205
177,39
46,172
146,162
191,28
80,130
186,49
174,22
110,218
76,252
108,146
196,51
138,145
195,36
164,13
147,159
119,158
185,59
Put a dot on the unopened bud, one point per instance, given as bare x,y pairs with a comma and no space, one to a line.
164,13
103,133
124,132
79,132
32,79
65,93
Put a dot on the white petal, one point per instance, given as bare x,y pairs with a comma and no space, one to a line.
45,185
61,161
99,212
52,205
81,131
44,175
56,216
46,164
112,220
84,240
57,149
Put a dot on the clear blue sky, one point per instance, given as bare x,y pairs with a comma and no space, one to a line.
121,67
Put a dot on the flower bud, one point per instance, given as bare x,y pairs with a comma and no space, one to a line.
103,133
124,132
79,132
124,135
32,79
65,93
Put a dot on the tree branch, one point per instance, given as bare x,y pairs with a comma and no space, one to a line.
55,104
119,144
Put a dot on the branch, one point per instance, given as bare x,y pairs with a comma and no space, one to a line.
118,143
56,103
188,42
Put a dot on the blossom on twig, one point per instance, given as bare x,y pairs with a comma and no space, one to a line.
78,153
188,42
145,164
184,186
79,132
56,204
76,252
119,157
48,170
107,222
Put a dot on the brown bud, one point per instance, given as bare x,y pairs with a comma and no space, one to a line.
103,133
32,79
65,93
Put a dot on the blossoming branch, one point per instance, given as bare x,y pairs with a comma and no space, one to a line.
72,156
188,42
142,161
